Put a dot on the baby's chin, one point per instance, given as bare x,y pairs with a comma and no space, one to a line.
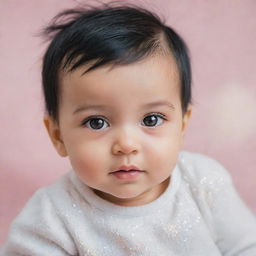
131,197
121,194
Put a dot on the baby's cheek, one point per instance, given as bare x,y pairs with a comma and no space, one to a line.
164,155
87,163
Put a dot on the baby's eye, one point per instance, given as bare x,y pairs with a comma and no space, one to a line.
96,123
153,120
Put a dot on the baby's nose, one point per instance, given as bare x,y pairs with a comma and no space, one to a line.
125,143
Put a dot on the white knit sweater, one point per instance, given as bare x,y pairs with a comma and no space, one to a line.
199,214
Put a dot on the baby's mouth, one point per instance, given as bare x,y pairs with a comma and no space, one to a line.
127,174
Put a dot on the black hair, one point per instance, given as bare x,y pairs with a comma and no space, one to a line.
108,34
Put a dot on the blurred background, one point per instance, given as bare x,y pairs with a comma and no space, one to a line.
221,36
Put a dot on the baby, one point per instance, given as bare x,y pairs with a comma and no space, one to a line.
117,88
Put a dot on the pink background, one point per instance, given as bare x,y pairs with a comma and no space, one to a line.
222,38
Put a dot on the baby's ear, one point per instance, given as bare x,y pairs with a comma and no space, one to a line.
55,135
186,118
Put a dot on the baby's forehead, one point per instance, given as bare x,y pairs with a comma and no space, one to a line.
152,67
151,79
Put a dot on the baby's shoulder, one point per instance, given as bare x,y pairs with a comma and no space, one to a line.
202,170
56,191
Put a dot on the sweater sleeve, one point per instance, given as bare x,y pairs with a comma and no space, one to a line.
234,224
38,231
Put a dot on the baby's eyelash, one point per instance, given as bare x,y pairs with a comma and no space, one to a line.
89,118
92,117
156,114
153,120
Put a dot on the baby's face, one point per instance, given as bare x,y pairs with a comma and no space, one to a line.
122,128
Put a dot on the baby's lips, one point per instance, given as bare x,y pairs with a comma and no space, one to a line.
128,168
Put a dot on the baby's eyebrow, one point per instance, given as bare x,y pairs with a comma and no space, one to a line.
159,104
147,105
88,107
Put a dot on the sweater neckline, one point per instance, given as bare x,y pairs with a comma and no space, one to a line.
166,198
